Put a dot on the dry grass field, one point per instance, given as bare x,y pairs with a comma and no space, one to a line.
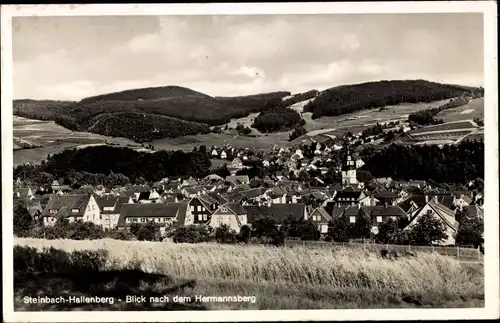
290,278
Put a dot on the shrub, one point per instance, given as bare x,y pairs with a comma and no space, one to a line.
193,234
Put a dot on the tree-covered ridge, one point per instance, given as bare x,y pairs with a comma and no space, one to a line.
351,98
450,164
155,104
144,127
150,93
132,164
277,119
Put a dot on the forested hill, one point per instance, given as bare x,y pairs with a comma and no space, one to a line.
147,114
350,98
150,93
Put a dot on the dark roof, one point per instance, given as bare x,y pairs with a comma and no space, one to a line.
143,196
345,194
238,179
207,200
252,193
278,212
236,208
64,204
324,214
106,201
384,195
152,210
474,211
390,210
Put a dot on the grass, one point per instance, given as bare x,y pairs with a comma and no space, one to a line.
290,278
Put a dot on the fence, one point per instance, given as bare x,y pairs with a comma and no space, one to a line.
461,253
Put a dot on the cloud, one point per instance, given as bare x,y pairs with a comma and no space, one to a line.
71,57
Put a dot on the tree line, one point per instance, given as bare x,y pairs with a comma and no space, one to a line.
350,98
450,164
130,163
427,116
277,119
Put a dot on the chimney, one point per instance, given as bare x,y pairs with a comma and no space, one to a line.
435,199
386,205
372,201
426,198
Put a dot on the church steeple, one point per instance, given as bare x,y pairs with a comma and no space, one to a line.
349,168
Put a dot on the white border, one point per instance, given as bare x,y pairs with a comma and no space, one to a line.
488,8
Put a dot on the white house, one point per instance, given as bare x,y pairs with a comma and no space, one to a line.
231,214
442,213
77,207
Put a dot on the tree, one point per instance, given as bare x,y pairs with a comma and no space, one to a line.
308,230
361,228
147,232
337,230
224,234
428,230
291,227
22,220
244,234
387,232
470,232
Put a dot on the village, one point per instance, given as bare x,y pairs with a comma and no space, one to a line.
235,201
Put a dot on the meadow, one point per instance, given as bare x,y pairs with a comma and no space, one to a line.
279,278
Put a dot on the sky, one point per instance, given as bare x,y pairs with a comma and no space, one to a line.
69,58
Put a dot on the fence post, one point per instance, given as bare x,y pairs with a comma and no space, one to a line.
458,252
479,253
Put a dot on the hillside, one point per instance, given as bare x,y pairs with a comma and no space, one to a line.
167,112
351,98
150,93
173,111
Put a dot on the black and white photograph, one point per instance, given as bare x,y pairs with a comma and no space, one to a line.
231,158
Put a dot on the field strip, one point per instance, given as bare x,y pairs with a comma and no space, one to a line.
467,111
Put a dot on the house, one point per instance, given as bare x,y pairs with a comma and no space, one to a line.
385,196
236,164
359,163
252,196
368,200
441,212
109,207
159,214
278,212
35,209
200,209
237,179
461,201
419,184
474,211
277,195
223,154
214,153
189,182
55,186
266,163
81,207
24,193
320,217
382,213
233,215
348,196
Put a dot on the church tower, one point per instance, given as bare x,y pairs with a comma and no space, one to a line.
349,169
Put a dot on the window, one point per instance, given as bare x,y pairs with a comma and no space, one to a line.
200,217
223,209
379,219
324,228
203,208
205,217
199,208
74,210
374,230
143,220
352,219
192,208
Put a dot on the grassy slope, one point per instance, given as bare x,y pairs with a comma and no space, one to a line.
293,278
